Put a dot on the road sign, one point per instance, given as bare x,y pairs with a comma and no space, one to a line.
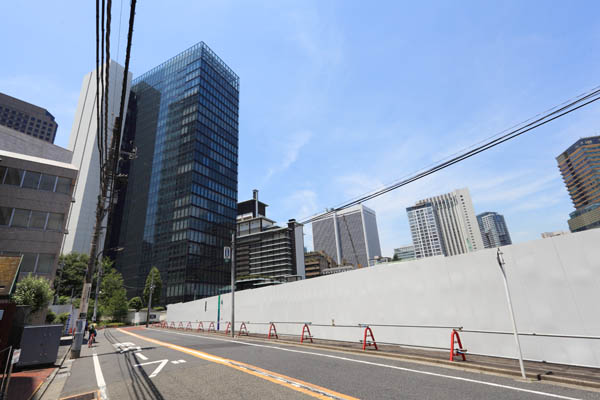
227,253
16,355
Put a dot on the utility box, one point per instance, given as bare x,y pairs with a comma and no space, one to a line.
39,345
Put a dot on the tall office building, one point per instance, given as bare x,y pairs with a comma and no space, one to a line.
493,230
456,227
458,224
27,118
84,145
425,231
177,208
580,168
349,236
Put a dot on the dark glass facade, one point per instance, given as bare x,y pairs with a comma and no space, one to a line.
177,207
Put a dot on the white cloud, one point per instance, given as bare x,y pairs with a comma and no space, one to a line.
293,145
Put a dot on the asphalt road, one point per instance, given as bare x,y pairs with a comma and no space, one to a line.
163,364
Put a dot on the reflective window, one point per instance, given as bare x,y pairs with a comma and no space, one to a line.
38,219
63,185
31,180
13,176
55,222
2,173
47,182
20,218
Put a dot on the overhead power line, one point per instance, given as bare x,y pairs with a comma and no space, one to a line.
107,71
532,123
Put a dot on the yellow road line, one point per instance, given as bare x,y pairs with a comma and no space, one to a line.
283,380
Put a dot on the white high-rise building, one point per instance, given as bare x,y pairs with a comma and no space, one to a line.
425,231
86,157
456,223
349,236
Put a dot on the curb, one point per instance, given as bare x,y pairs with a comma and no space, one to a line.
41,390
531,376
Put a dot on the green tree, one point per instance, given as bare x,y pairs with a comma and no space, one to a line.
69,279
33,291
154,272
50,317
113,296
136,303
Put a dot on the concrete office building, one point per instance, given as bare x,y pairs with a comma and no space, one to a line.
404,253
493,230
86,158
425,231
177,208
457,222
27,118
36,188
264,250
349,236
580,168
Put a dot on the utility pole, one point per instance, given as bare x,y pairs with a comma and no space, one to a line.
233,284
106,175
512,313
150,299
99,279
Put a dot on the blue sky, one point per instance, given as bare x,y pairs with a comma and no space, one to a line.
341,97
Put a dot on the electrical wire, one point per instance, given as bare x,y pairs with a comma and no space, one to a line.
98,130
532,123
107,73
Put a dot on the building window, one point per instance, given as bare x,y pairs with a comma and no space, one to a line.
47,182
63,185
31,180
55,222
38,220
45,263
28,262
20,218
5,213
13,176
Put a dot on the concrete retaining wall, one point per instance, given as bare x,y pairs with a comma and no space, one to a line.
554,282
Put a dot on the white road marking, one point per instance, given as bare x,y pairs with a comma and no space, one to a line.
100,378
458,378
140,355
157,370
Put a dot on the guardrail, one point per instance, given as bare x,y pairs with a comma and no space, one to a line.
181,325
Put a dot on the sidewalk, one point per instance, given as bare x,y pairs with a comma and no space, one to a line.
25,382
537,371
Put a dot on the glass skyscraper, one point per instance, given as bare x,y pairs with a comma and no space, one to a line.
177,196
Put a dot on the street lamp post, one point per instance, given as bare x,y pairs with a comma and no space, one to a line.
99,278
512,313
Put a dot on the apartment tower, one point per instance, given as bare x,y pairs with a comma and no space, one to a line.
580,168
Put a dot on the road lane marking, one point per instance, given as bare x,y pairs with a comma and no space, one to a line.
158,369
100,378
140,355
458,378
283,380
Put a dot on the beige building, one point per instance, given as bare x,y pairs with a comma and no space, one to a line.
36,190
457,222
